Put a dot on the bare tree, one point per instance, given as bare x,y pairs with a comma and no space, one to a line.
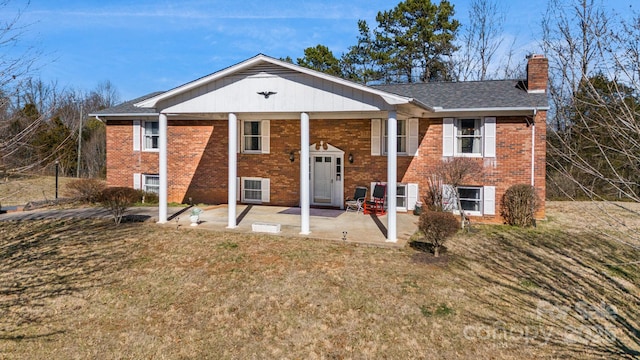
480,40
445,181
594,137
16,126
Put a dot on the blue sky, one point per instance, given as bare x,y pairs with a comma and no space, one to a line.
145,46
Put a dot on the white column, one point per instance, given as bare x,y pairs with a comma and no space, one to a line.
392,175
233,171
304,174
162,166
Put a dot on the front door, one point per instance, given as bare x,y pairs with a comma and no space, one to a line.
326,170
322,179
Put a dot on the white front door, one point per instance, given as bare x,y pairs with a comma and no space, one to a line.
326,170
322,179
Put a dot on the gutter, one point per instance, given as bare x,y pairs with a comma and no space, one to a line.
533,147
438,109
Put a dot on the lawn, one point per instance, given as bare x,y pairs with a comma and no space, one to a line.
87,289
21,189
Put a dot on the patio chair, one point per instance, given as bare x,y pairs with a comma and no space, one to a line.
356,203
376,204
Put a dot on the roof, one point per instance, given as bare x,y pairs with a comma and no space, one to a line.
489,94
493,95
128,107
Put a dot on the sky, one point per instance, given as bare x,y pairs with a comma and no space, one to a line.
152,45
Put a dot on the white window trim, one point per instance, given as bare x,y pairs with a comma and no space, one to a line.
384,142
456,125
487,200
144,182
378,138
143,137
265,130
410,195
265,190
480,201
487,135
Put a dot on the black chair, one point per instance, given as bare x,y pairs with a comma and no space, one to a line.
358,200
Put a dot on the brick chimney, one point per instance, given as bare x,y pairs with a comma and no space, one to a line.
537,73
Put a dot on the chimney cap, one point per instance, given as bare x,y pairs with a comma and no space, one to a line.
535,56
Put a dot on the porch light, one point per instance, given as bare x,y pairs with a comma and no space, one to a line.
350,158
292,156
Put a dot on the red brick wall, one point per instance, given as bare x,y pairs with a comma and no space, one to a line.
197,158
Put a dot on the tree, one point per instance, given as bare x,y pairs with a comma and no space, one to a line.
413,40
15,65
320,58
360,63
594,138
480,40
451,174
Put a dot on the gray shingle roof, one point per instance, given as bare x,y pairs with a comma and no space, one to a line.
128,108
446,95
470,94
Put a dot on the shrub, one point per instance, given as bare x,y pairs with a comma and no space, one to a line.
117,200
85,190
437,226
146,197
519,205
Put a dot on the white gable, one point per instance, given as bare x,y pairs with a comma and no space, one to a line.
290,88
292,92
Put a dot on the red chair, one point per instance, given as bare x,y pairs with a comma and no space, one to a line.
376,204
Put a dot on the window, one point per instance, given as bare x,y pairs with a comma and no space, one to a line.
151,135
471,199
468,136
151,183
408,139
406,195
254,136
255,190
474,200
402,137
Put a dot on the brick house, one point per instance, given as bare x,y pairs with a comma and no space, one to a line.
269,132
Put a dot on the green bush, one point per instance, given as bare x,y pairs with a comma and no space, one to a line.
85,190
437,226
117,200
519,205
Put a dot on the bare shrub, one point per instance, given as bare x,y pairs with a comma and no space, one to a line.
437,226
434,199
452,172
117,200
85,190
519,205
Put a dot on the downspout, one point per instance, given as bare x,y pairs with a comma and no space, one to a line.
533,147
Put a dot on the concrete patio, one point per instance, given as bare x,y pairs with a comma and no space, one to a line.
328,224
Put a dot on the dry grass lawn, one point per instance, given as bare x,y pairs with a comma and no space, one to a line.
21,189
87,289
